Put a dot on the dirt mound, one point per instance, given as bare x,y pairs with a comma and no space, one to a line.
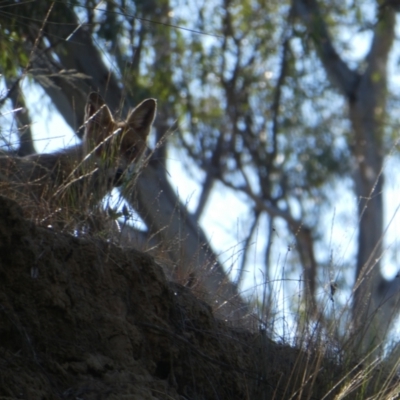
84,319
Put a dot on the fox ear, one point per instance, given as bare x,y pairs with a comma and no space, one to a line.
141,118
96,112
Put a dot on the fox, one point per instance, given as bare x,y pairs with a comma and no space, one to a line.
69,182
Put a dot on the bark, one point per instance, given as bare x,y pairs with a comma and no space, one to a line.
366,97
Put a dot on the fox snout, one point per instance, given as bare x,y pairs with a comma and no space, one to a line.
121,172
118,178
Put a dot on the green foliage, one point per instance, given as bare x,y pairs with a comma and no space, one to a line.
21,22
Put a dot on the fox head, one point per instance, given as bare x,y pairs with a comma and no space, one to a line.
116,145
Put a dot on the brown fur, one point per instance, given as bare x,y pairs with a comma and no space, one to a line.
73,180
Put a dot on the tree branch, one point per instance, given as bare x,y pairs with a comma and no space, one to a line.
341,76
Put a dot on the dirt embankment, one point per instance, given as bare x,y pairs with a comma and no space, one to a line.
83,319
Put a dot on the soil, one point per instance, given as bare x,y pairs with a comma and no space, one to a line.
81,318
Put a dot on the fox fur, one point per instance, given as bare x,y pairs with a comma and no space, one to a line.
71,181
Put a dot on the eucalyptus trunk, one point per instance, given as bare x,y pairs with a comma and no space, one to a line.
374,297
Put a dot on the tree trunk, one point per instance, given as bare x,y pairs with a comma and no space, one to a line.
153,197
366,96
